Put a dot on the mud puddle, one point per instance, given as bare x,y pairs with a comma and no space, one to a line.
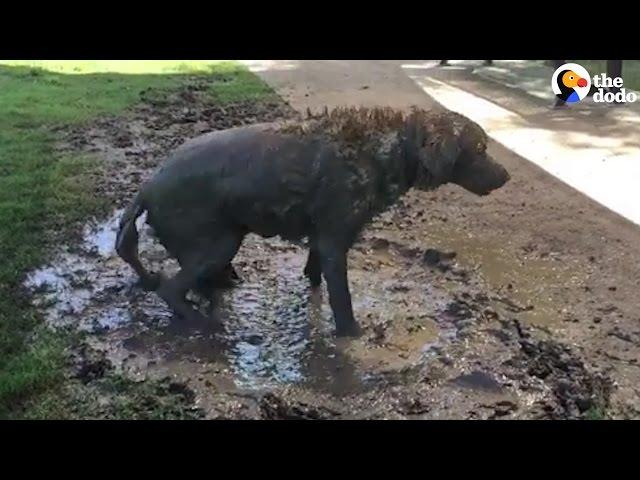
440,337
530,284
276,329
423,341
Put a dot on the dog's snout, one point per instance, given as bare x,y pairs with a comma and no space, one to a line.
482,176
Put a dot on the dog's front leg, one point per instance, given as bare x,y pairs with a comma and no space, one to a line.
333,259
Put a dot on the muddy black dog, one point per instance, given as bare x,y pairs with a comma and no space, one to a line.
321,179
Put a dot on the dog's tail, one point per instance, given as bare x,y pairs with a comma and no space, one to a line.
127,241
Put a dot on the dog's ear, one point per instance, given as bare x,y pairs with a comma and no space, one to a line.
439,157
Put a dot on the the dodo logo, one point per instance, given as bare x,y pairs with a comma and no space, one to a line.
571,82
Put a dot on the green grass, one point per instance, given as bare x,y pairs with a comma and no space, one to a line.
630,71
114,397
595,413
42,192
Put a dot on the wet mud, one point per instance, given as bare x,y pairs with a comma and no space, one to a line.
450,328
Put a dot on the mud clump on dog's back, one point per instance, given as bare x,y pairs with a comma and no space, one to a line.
348,126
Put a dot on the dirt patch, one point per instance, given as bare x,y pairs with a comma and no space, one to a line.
439,340
132,146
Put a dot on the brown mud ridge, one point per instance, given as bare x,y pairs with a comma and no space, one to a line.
438,342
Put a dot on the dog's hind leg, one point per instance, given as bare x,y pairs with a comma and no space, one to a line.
208,282
313,268
198,262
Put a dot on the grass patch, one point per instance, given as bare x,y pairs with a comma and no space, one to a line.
115,397
595,413
39,364
43,192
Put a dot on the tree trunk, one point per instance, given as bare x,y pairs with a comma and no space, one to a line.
614,69
556,65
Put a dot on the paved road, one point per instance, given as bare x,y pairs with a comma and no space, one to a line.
316,84
594,148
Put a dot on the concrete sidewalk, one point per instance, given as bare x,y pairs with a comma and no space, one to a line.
594,148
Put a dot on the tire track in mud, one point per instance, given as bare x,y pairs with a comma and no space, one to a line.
437,342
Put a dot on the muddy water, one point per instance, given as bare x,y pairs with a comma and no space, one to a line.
275,328
420,309
272,330
530,284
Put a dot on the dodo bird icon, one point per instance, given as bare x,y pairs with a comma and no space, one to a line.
567,81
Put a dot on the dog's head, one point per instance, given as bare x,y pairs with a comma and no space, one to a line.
453,149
